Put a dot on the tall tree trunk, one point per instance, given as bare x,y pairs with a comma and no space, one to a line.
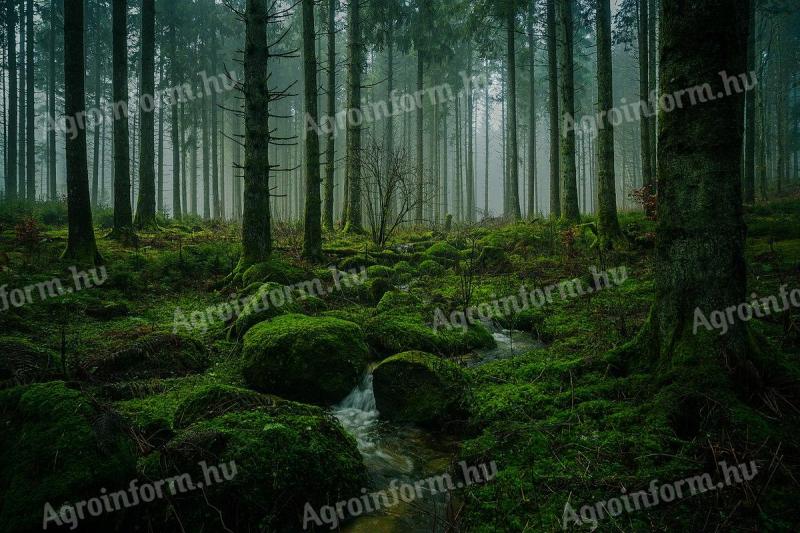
22,160
555,117
648,178
11,136
700,236
513,147
30,152
330,148
354,48
194,139
469,210
217,196
749,174
206,162
160,171
98,88
486,145
420,156
532,113
146,208
81,246
51,102
176,149
123,220
103,163
608,223
569,186
312,241
256,230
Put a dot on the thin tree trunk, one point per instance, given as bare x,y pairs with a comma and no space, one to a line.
330,149
513,181
23,113
146,207
607,221
30,130
555,117
217,203
648,178
81,246
532,114
486,146
122,183
11,136
312,241
469,210
354,47
160,171
420,116
256,230
97,92
569,187
176,149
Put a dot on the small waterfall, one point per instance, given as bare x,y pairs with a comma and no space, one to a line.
360,418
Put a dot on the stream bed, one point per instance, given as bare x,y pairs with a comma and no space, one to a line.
407,454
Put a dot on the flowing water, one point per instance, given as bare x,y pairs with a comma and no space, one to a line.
406,454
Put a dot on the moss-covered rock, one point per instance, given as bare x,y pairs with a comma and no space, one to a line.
421,388
458,341
58,449
22,362
397,300
430,268
380,271
275,462
403,267
152,355
213,400
311,359
442,250
392,333
494,259
356,262
269,301
377,287
274,270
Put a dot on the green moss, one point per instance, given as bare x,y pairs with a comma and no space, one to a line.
377,287
274,270
442,250
403,267
392,333
356,262
380,271
311,359
494,259
24,362
57,448
430,268
396,300
457,341
421,388
269,301
281,461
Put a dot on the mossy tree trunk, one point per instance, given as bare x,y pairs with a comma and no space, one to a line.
123,217
608,224
555,117
700,234
513,146
312,241
353,167
146,206
570,211
11,134
256,224
30,152
81,246
330,149
531,112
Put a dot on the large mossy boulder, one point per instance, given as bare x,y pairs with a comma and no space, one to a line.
154,355
422,389
22,362
310,359
276,460
397,300
457,341
274,270
58,448
394,332
442,250
269,301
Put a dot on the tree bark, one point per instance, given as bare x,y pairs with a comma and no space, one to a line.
570,211
256,230
648,179
511,61
532,114
23,113
146,207
81,246
176,149
123,218
160,171
555,117
749,174
420,117
97,93
608,223
354,48
330,149
30,151
312,241
11,136
51,103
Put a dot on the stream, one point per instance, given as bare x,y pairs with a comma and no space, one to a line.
408,454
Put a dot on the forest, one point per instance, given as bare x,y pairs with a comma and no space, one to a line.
426,266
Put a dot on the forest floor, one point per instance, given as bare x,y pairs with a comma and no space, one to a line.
562,429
